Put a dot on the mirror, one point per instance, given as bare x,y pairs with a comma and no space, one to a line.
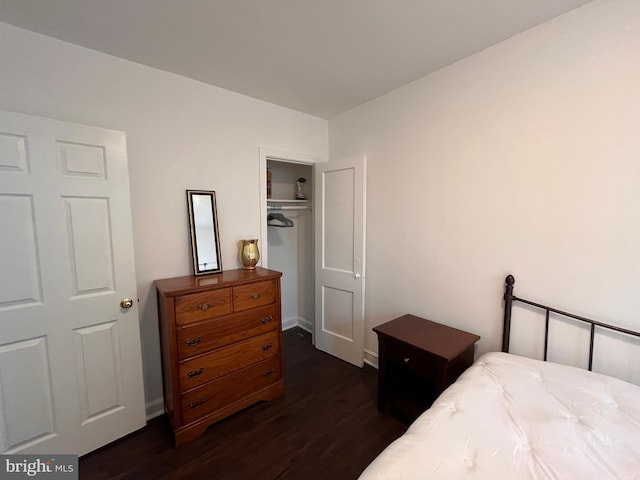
205,243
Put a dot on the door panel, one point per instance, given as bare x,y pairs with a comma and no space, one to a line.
13,153
89,244
67,261
27,413
338,210
338,312
98,370
78,160
340,252
18,254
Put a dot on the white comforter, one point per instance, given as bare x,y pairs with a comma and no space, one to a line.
510,417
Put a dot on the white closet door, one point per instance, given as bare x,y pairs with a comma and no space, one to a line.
340,192
70,361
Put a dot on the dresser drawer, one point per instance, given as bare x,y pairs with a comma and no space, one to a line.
200,306
237,356
254,295
410,358
220,393
208,335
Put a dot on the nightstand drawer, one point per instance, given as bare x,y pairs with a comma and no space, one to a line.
410,358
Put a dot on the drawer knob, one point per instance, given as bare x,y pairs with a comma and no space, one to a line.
255,296
267,373
204,306
197,403
193,341
406,360
195,373
268,319
268,346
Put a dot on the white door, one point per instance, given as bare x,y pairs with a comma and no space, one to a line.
340,196
70,361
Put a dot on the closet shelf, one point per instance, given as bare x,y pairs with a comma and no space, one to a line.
282,204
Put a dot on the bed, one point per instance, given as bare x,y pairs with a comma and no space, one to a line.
514,417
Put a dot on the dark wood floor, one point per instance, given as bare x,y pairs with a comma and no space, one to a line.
325,426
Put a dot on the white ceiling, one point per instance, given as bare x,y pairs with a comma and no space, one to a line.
322,57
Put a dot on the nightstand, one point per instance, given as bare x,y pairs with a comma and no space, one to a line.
417,360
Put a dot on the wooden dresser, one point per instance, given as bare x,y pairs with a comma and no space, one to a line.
221,346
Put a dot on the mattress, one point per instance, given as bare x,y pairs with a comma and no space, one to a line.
518,418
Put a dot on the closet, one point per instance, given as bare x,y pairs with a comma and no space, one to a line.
319,246
290,239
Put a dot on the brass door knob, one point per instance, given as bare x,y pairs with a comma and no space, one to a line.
126,302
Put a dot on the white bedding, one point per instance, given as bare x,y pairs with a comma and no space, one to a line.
510,417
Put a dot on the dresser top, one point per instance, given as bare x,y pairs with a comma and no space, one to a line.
192,283
440,340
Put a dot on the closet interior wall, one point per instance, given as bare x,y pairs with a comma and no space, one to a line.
291,248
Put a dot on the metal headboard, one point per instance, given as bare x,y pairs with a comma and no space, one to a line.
509,298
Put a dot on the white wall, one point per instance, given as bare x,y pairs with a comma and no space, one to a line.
181,134
523,159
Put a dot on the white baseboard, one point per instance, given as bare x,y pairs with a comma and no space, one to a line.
289,323
301,322
305,324
371,358
154,408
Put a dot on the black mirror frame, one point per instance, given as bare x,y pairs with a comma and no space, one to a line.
197,270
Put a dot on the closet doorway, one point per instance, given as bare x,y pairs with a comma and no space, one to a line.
318,243
290,239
